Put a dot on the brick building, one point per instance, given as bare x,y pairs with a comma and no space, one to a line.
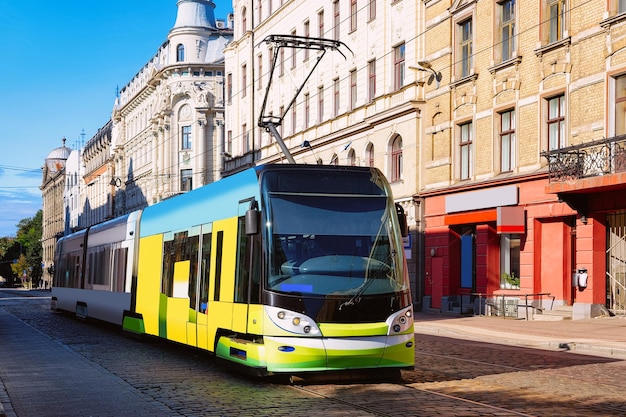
522,154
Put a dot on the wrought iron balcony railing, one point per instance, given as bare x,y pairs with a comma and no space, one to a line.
601,157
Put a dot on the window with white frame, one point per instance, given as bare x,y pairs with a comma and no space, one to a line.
555,120
244,79
320,104
307,32
506,15
619,92
371,10
185,137
555,12
464,48
398,65
351,157
353,89
465,150
335,97
371,80
336,20
396,159
353,15
180,53
507,140
369,155
186,180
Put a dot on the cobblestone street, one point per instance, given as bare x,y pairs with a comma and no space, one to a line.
452,377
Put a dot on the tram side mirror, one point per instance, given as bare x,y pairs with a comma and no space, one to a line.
253,220
404,228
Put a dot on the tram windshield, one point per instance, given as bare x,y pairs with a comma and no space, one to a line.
332,244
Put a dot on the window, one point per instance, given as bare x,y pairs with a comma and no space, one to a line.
180,53
260,8
245,146
398,65
244,20
507,140
293,52
465,144
307,33
293,118
371,81
260,70
244,79
229,143
281,64
464,59
320,104
507,29
335,97
320,24
186,180
369,155
620,105
353,11
353,89
229,88
556,20
371,10
396,159
336,20
185,137
556,122
307,110
509,261
351,157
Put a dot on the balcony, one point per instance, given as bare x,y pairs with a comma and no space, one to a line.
592,166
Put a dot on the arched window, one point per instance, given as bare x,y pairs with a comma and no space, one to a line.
180,53
352,157
369,155
334,160
244,21
396,159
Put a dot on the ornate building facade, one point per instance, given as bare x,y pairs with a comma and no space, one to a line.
53,210
337,78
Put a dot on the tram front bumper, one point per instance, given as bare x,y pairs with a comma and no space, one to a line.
303,354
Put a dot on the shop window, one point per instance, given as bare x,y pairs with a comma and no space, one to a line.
510,261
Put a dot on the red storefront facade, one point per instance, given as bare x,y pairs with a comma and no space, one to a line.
563,254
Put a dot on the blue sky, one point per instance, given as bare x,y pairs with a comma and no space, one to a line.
62,63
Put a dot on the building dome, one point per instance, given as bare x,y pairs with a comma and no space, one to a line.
194,14
55,161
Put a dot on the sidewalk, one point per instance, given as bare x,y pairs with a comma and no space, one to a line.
604,336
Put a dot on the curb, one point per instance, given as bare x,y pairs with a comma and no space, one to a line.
542,342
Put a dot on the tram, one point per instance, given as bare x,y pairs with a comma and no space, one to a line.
281,268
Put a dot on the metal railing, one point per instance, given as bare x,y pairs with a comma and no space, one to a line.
514,296
601,157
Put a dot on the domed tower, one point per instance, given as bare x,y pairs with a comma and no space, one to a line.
56,159
53,218
195,22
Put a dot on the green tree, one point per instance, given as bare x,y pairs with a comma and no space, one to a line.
29,238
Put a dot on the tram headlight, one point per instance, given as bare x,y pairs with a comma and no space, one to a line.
400,321
292,322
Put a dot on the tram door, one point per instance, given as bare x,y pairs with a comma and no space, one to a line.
202,286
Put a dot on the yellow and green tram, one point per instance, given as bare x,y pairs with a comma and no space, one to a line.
280,268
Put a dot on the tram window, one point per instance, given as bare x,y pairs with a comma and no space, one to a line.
205,269
242,276
191,252
218,265
120,259
181,248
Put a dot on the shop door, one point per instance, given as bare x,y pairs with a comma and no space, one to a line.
616,263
